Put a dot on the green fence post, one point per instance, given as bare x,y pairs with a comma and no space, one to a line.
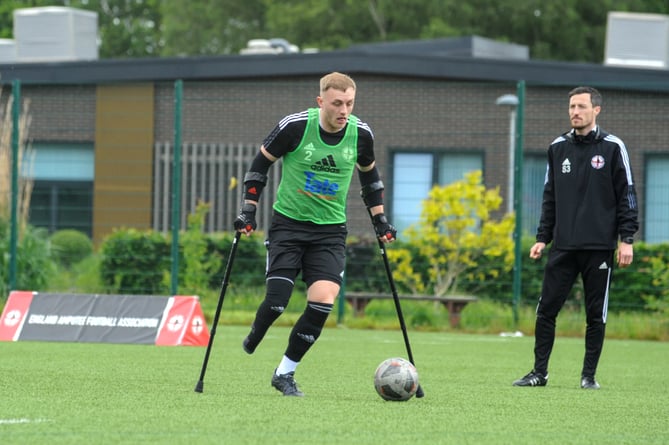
176,185
517,199
14,237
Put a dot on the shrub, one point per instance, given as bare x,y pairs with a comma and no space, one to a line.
69,247
249,265
455,232
644,280
134,262
199,261
34,267
364,267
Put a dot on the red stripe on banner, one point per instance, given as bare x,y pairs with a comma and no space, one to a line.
183,323
14,314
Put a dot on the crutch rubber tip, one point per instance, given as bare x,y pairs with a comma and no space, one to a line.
419,392
199,387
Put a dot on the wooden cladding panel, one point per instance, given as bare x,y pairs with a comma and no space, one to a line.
124,129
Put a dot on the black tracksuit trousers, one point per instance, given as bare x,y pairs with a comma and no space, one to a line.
560,273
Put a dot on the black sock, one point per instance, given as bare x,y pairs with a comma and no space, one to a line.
275,302
307,330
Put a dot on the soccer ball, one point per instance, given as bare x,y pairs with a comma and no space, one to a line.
396,379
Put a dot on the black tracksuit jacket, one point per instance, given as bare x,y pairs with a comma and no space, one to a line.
589,199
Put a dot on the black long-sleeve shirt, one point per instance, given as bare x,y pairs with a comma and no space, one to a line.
589,198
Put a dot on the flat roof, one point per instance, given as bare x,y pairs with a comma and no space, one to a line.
353,61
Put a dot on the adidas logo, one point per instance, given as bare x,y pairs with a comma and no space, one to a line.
327,164
566,166
603,266
278,309
307,337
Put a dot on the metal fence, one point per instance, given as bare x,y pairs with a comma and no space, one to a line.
211,173
104,154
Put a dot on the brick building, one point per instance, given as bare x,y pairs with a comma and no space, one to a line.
103,131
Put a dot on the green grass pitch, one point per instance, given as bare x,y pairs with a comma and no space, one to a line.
82,393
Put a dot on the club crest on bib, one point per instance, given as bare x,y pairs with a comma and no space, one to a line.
597,162
349,153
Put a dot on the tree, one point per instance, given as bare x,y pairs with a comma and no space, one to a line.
127,28
32,261
329,24
210,27
24,161
568,30
456,230
7,8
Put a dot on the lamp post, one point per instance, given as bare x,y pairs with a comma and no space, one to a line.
515,169
510,101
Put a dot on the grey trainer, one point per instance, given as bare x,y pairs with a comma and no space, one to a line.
286,384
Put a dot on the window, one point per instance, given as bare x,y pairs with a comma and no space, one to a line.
656,229
62,205
62,196
415,173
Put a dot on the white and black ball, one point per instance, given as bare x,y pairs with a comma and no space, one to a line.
396,379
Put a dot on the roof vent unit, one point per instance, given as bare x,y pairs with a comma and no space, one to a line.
55,33
7,51
637,40
269,46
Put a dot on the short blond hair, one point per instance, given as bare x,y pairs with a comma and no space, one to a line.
337,81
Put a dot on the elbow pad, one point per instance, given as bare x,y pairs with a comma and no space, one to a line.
256,178
372,187
254,183
372,194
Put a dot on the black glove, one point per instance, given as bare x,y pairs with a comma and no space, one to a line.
383,228
247,218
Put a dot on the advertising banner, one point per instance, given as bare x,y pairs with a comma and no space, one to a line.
183,323
139,319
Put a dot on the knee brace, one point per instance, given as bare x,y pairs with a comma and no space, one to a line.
279,289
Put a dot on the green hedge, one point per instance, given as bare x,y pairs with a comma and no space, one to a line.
249,266
135,262
630,289
139,262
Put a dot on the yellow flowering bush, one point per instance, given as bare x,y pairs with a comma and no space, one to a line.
456,230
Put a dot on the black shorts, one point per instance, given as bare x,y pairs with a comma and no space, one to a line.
318,251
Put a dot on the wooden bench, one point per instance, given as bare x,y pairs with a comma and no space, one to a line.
453,303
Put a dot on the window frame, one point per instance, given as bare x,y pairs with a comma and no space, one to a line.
437,156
